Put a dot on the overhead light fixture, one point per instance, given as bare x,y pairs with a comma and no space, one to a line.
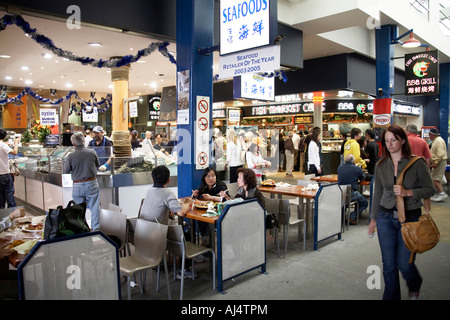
24,68
8,77
411,42
47,56
28,82
5,56
94,44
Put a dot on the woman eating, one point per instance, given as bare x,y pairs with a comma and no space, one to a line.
247,187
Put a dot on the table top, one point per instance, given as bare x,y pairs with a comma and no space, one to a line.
333,178
196,214
290,190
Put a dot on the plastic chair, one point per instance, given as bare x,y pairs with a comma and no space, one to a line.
150,241
232,189
272,205
131,223
114,225
177,245
349,204
285,219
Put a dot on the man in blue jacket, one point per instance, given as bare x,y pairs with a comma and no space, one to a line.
349,173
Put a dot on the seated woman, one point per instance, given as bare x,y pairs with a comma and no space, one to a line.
247,187
210,187
209,190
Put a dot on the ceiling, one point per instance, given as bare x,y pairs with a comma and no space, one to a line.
154,71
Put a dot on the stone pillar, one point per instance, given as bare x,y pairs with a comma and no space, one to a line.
120,135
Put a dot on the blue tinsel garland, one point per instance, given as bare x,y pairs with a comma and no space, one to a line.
47,43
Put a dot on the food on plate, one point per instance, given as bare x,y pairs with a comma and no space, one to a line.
268,182
203,204
15,243
31,227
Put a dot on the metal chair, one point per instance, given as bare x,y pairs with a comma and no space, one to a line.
285,219
150,240
177,245
272,205
349,204
114,225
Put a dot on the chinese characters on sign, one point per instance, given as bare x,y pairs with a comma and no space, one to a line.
422,73
254,86
244,24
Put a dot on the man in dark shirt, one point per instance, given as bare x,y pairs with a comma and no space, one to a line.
373,150
350,174
83,165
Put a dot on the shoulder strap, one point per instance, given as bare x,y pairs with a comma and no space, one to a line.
400,200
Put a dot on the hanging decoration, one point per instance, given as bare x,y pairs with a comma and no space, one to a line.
47,43
102,106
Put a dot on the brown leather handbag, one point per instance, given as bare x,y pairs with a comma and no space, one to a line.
419,236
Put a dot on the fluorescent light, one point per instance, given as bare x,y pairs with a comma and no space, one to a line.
8,78
24,68
47,56
5,56
28,82
94,44
69,85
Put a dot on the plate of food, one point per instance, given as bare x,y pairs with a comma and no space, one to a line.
268,183
33,227
199,204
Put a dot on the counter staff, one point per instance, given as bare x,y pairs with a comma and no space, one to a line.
99,144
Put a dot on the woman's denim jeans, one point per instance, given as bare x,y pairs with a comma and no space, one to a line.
89,192
395,257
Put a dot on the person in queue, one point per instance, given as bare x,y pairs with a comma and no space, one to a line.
135,141
209,190
6,180
233,154
289,150
160,203
417,185
248,188
419,146
314,153
373,151
352,147
83,164
159,145
350,174
255,161
103,147
438,163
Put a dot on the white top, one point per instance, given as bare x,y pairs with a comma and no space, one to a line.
313,154
253,160
233,155
4,163
296,140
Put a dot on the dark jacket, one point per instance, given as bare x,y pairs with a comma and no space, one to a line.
348,173
252,193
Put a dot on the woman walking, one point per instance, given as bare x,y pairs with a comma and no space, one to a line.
417,185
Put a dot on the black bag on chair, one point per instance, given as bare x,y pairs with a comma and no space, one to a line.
62,222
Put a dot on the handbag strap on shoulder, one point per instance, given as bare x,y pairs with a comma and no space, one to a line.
400,200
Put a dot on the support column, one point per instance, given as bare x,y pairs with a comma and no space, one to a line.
195,29
444,100
120,135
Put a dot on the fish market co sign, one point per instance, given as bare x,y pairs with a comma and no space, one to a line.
244,24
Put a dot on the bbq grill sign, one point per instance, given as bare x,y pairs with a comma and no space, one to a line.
422,73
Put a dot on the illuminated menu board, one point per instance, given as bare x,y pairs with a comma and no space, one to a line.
422,73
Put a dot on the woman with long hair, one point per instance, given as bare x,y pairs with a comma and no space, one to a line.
417,185
233,154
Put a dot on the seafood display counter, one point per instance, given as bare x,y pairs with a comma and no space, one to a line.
43,185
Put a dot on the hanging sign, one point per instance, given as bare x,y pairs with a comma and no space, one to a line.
202,132
244,24
90,116
48,117
422,73
265,59
133,109
254,86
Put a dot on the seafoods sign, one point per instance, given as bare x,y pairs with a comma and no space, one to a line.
244,24
422,73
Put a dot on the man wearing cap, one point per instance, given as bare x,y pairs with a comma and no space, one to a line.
100,144
82,164
438,163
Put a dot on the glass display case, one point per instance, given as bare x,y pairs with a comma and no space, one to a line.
57,158
34,158
331,144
